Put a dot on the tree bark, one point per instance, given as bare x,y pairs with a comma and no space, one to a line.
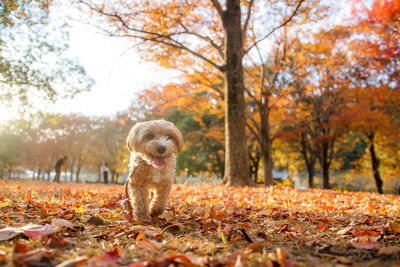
38,173
71,170
78,172
236,159
265,144
254,164
324,162
375,164
309,159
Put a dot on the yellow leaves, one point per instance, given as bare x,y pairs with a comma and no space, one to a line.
80,209
394,226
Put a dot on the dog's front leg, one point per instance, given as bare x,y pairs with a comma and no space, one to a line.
159,201
139,197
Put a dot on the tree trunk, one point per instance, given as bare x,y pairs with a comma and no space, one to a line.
38,173
375,164
309,159
236,159
265,144
324,163
254,164
311,172
78,172
99,179
71,169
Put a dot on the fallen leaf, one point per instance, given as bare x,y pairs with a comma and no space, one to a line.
67,224
108,257
73,262
322,227
395,227
367,245
9,233
147,244
388,251
345,230
95,221
32,257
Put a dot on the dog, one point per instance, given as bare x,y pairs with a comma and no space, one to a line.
153,146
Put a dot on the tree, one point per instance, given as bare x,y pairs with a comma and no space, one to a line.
33,64
318,78
198,34
10,152
376,94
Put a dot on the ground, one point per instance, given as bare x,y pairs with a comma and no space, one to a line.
45,224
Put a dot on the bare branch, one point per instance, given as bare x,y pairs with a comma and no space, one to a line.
246,23
157,37
276,28
205,38
218,6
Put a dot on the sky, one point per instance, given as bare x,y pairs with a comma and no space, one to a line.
117,70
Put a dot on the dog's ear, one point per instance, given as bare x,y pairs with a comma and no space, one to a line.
177,137
133,137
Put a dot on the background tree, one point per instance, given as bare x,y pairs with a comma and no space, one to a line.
375,95
33,64
318,80
10,151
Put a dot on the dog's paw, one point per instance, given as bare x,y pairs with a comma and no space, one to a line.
143,218
156,211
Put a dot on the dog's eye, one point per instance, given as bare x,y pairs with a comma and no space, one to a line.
150,136
169,137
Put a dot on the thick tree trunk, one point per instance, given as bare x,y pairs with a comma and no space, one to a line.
311,172
375,164
236,159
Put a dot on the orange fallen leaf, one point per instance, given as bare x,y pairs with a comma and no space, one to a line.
322,227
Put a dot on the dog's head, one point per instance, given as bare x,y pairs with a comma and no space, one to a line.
155,141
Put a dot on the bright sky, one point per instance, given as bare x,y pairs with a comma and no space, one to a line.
117,70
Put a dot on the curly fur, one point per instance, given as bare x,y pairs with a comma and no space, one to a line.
153,146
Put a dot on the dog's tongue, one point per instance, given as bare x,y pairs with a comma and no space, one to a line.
158,161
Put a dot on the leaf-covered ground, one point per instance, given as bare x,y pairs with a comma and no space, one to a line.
45,224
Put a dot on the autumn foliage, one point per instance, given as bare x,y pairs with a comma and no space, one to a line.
204,225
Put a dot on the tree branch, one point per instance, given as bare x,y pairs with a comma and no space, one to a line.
205,38
218,6
246,23
276,28
157,37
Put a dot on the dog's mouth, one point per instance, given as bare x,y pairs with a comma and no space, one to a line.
158,161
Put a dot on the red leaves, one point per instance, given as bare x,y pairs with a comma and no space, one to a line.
107,258
322,227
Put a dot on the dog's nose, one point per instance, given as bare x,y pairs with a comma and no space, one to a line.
161,149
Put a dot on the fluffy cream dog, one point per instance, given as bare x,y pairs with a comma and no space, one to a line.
153,146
